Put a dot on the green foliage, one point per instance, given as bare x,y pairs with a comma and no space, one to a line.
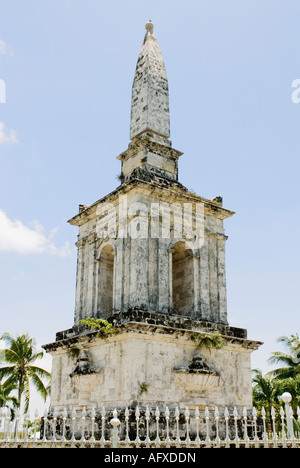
289,360
144,387
209,340
268,388
33,426
264,392
103,326
20,370
120,177
73,352
7,400
290,385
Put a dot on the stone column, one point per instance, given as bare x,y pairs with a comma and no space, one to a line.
97,305
118,277
114,281
138,226
91,277
163,276
170,263
127,275
204,281
153,272
79,281
213,277
222,279
196,265
138,271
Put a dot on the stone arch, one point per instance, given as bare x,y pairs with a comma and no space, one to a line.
182,278
102,245
105,299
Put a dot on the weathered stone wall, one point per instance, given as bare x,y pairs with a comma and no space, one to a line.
137,367
183,295
144,273
141,249
105,282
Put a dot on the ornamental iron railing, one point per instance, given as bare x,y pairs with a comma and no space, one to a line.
154,428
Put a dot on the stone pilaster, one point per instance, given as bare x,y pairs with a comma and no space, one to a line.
222,279
163,276
119,276
213,278
196,265
170,272
138,271
80,281
91,269
204,281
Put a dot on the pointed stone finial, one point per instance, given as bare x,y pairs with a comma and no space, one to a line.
149,26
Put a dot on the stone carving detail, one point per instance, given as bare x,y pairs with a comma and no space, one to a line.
83,366
197,377
86,378
198,364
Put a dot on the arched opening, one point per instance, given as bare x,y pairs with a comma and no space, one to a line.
106,282
182,279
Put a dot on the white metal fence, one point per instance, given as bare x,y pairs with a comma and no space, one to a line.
153,428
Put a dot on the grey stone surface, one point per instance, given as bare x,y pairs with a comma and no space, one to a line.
150,92
158,283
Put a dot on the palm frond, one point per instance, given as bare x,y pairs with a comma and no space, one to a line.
27,394
6,372
279,357
37,356
39,386
281,373
39,371
21,353
10,356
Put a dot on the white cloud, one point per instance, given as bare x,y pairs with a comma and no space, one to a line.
19,276
7,138
2,47
18,238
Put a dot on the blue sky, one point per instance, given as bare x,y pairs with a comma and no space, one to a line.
68,66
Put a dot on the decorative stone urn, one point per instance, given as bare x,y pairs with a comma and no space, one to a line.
85,377
197,377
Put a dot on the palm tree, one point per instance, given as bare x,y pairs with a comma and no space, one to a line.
291,361
21,371
5,395
264,391
291,385
6,400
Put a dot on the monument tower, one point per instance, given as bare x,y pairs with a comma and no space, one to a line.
151,261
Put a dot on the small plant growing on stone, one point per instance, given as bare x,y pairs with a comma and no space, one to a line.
209,341
73,352
120,177
103,326
144,386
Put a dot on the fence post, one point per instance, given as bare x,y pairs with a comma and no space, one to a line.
286,398
115,422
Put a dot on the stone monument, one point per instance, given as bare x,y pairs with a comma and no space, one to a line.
151,262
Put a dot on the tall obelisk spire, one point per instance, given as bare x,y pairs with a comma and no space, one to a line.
150,91
150,156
